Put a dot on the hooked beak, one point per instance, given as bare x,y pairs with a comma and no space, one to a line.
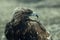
33,16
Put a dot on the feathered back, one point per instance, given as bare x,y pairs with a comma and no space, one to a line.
37,29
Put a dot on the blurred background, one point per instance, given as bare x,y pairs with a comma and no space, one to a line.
48,11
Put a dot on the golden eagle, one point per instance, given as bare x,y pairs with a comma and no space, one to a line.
22,27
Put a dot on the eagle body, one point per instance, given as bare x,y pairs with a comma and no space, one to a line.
21,27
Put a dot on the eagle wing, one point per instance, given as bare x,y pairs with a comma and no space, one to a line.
41,32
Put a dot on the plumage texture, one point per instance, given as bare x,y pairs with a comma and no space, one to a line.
21,27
